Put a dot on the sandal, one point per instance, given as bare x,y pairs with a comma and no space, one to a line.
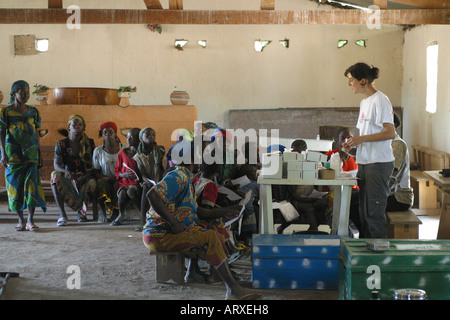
82,217
32,227
61,222
20,227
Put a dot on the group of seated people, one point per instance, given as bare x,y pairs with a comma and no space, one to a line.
179,202
114,176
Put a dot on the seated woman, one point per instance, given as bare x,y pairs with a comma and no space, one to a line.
127,173
104,162
149,158
172,223
206,192
72,181
181,134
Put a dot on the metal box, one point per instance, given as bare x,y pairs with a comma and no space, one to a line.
296,261
416,264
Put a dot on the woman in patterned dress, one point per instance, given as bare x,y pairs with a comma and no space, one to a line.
20,155
73,181
172,223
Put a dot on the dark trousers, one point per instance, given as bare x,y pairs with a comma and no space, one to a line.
373,193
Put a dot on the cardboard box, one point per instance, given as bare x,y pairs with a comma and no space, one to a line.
294,174
294,165
316,156
327,174
310,166
310,174
417,264
295,261
293,156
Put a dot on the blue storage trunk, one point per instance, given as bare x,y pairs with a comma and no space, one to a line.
296,261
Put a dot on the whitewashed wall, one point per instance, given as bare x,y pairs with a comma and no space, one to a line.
228,74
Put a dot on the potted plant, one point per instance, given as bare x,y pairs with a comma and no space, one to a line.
40,91
124,93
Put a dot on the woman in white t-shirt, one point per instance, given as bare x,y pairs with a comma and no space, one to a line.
374,152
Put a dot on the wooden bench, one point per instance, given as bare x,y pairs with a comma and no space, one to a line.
170,266
425,192
402,225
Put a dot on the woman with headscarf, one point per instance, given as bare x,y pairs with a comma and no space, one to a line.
104,162
20,155
72,181
149,158
172,221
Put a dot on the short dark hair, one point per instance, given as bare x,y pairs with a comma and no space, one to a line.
299,144
397,121
362,70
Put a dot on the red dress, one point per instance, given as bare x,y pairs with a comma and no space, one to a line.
123,164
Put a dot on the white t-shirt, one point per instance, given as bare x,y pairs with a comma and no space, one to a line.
373,112
104,161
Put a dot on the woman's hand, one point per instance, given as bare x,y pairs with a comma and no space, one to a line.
352,142
176,226
128,175
232,212
68,175
4,161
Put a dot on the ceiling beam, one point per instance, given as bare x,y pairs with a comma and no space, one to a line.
153,4
232,17
426,4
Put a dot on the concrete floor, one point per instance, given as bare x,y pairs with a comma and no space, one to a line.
114,261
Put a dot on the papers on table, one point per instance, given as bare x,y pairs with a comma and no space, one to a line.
233,196
242,203
242,181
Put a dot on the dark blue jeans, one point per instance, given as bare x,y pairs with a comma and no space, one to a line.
373,193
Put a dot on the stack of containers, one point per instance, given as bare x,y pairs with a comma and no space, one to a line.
303,166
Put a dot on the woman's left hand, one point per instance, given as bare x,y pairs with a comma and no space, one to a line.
232,212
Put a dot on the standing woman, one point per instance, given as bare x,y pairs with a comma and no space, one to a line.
73,181
20,155
374,152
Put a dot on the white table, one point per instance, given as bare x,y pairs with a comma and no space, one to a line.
341,202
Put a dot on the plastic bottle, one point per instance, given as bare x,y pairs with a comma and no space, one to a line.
335,164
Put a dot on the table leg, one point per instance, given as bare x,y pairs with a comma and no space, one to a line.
265,210
341,210
444,220
262,208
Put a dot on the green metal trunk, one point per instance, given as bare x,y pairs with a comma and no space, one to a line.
416,264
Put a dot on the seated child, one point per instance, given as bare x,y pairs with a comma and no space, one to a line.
313,209
127,173
149,158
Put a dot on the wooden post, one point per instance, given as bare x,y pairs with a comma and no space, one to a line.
176,4
267,4
153,4
55,4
